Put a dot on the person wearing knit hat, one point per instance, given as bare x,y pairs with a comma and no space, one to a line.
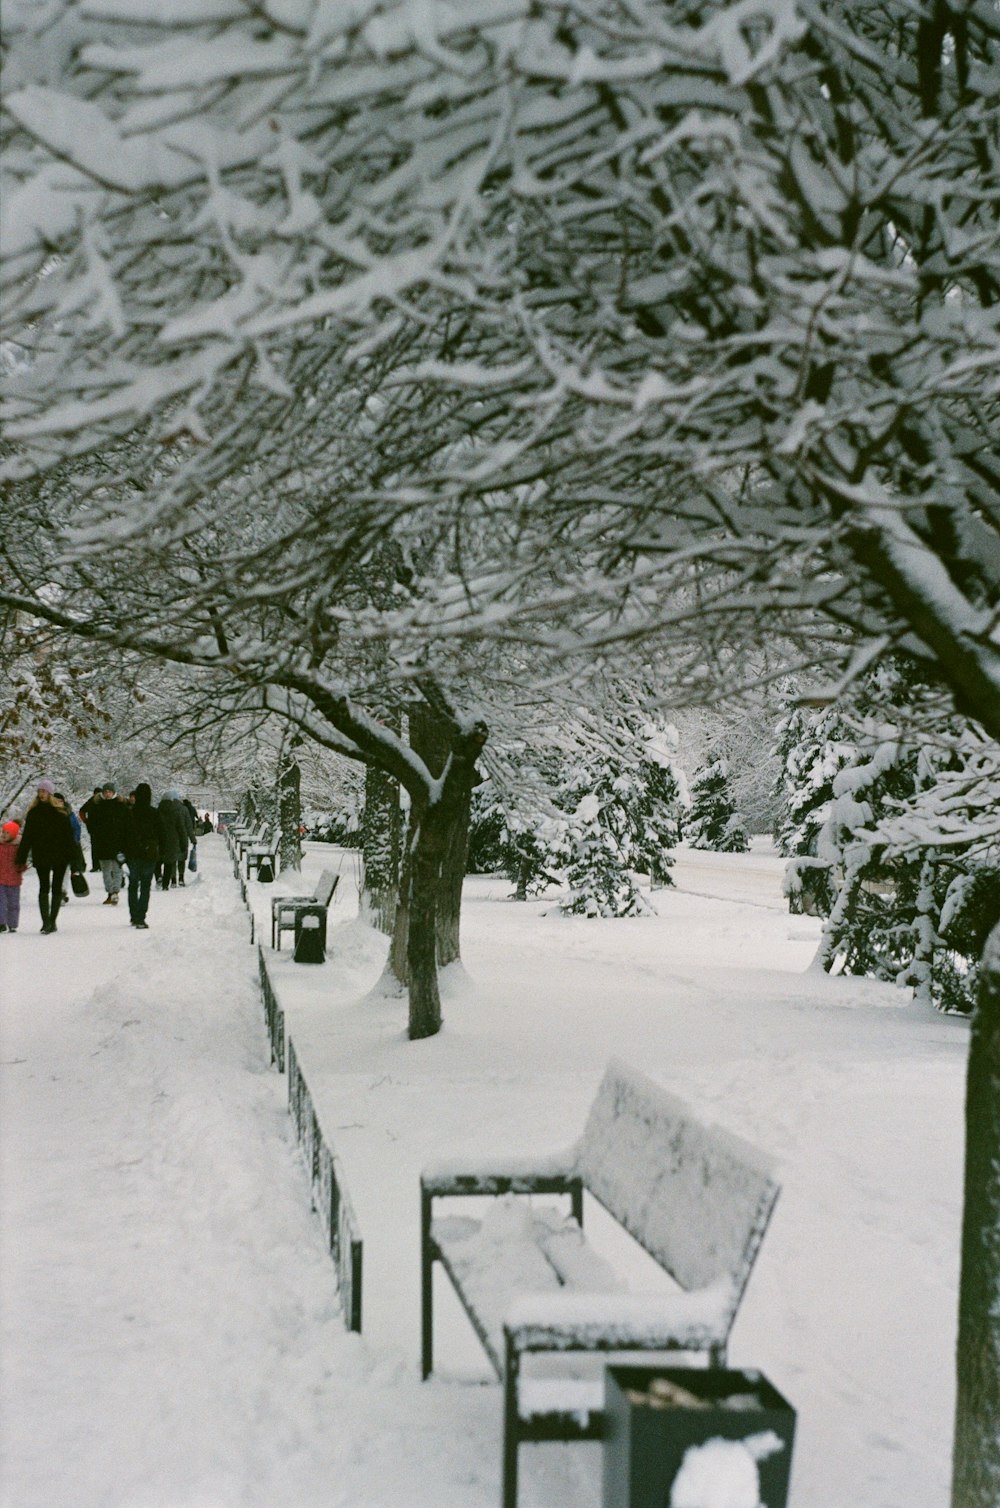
47,842
10,877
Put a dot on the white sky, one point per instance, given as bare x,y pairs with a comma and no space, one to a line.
171,1334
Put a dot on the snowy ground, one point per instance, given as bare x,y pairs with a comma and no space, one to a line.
171,1335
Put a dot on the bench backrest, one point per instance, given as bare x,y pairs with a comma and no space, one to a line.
325,886
695,1197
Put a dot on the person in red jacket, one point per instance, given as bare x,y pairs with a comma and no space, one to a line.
10,877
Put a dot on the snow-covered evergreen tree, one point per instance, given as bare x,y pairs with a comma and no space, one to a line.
601,816
597,877
886,817
713,821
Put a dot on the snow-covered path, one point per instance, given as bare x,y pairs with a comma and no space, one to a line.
171,1336
170,1317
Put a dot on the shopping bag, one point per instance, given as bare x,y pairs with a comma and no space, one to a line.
193,858
79,883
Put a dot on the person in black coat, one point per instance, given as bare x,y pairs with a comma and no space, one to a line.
47,842
186,833
107,839
173,838
85,811
142,850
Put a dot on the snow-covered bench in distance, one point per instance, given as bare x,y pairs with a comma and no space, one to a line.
241,836
264,850
696,1198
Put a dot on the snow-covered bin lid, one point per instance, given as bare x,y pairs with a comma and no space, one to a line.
568,1320
695,1196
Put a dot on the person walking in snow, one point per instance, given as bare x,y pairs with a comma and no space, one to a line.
79,863
10,877
85,811
173,835
142,851
47,842
185,823
107,836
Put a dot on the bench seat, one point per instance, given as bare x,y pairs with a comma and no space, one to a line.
514,1250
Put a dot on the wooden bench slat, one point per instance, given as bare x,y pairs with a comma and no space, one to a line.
693,1195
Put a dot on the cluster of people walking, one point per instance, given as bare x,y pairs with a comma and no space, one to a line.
132,845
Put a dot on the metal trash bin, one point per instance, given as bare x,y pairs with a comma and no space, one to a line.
310,934
662,1421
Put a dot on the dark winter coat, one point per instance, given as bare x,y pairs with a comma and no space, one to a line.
46,838
173,830
142,834
107,829
187,822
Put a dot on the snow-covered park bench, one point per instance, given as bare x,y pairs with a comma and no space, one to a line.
285,908
696,1198
263,851
243,836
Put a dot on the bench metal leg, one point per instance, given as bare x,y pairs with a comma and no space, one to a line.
426,1288
576,1200
511,1426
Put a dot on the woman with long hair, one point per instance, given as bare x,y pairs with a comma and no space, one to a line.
47,842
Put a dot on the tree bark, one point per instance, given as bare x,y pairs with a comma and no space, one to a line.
976,1466
290,810
380,843
399,947
433,842
430,738
421,951
456,849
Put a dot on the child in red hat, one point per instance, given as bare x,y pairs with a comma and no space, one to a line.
10,877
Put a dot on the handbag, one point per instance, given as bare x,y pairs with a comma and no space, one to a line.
193,858
79,883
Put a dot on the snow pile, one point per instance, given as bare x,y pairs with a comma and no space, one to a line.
723,1473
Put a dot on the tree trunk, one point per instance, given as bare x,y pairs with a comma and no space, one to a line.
456,849
399,947
421,952
430,738
437,835
380,843
290,810
976,1474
